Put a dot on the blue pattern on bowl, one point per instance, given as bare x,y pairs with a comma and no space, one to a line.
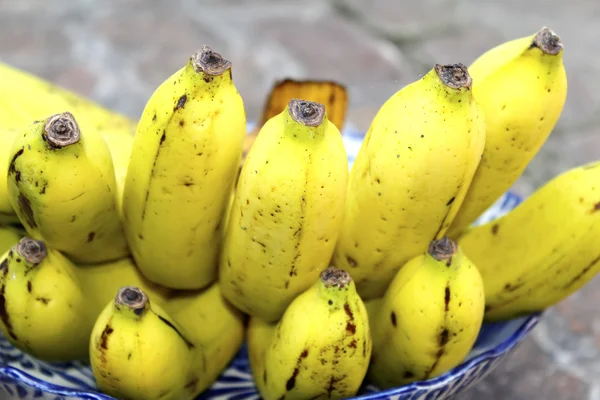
23,377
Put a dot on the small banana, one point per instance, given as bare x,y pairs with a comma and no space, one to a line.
48,305
61,183
185,158
521,86
286,213
9,236
43,308
7,214
429,318
140,350
319,349
410,176
543,250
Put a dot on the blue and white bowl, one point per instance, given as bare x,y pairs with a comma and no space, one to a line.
24,377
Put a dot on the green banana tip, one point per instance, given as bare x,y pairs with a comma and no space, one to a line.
455,76
443,249
333,276
306,112
33,251
132,298
209,62
547,41
61,130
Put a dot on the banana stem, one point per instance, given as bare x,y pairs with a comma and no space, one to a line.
454,76
209,62
333,276
33,251
61,130
547,41
307,113
443,249
132,298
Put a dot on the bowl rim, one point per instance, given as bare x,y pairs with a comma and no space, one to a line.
511,342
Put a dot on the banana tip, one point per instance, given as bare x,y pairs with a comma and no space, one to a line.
333,276
455,76
306,112
443,249
33,251
61,130
548,42
132,298
209,62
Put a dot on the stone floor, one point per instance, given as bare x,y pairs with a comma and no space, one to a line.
117,52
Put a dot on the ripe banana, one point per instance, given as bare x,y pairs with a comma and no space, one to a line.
319,349
9,236
521,86
7,214
543,250
61,183
48,305
32,98
429,318
185,158
286,212
140,350
410,176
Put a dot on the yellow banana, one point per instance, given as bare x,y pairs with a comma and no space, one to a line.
7,214
185,158
319,349
410,176
287,211
61,182
142,351
138,352
543,250
521,86
9,236
49,305
429,318
32,98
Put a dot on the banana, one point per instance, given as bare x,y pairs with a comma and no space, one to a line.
410,176
9,236
287,211
48,305
543,250
429,318
185,158
140,351
32,98
521,86
7,214
319,349
61,183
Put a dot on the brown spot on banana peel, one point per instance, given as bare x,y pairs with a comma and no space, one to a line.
192,383
582,273
3,310
108,330
393,318
547,41
495,228
332,383
12,169
596,207
26,211
447,297
43,300
91,237
291,382
180,104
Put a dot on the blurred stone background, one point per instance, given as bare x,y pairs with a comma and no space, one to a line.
118,52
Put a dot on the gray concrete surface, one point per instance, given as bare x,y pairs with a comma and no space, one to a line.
117,52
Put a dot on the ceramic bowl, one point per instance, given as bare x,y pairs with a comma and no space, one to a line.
23,377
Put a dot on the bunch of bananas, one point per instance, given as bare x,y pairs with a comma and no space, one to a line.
155,249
